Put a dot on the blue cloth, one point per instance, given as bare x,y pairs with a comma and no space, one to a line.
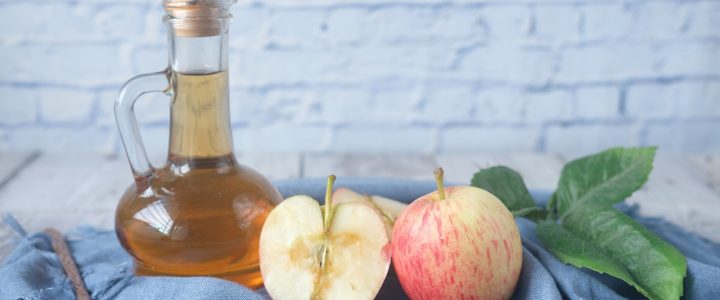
33,271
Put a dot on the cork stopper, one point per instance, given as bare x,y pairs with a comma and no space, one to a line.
197,18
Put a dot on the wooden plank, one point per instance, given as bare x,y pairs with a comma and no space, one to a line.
12,163
93,182
540,171
369,165
66,191
708,167
674,193
67,182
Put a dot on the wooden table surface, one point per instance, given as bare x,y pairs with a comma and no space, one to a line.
67,190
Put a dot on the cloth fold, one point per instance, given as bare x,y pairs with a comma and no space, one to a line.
33,270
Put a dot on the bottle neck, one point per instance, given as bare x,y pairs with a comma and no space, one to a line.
199,118
193,54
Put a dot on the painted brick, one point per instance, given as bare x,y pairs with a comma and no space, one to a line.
378,63
587,139
488,139
17,106
685,137
353,106
698,99
704,19
449,104
689,59
339,106
408,72
295,26
346,25
149,59
285,105
294,138
541,107
73,64
683,99
246,106
70,20
383,139
153,108
150,108
106,107
650,101
658,19
156,140
458,23
557,22
606,21
65,105
611,62
393,105
155,28
511,64
249,26
500,105
284,66
506,21
395,24
596,103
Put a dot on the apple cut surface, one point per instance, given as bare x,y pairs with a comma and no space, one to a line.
290,243
359,255
293,240
345,195
388,209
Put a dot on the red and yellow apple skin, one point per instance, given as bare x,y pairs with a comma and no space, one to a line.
466,246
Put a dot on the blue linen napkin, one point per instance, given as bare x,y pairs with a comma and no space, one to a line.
33,271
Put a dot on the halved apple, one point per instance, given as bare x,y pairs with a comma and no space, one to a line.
341,253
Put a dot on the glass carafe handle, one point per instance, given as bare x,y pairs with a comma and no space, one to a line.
127,123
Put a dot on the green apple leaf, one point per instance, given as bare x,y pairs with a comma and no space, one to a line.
603,179
608,241
580,226
593,234
533,213
509,187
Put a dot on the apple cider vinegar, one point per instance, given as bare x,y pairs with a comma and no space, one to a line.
202,213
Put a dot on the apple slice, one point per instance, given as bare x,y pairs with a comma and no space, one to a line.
388,209
345,195
341,254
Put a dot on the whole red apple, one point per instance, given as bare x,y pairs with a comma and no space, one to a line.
457,243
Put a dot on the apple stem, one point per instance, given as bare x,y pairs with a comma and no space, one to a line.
328,201
327,219
439,181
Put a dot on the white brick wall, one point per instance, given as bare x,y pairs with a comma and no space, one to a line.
568,76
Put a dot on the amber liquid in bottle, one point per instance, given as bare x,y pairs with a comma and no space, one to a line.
201,213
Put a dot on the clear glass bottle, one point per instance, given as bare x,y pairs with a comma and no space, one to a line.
201,212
